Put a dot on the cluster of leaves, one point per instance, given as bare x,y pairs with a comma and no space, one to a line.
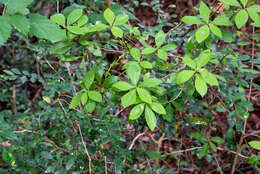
146,82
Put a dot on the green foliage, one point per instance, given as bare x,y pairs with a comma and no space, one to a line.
89,105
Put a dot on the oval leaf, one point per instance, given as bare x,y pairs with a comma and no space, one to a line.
204,11
202,33
255,144
200,85
84,98
94,95
158,108
109,16
150,118
122,86
152,82
148,50
162,54
144,95
133,72
241,18
159,38
117,32
210,78
191,20
146,65
129,98
215,30
74,16
121,19
203,59
184,76
135,52
136,112
58,19
75,101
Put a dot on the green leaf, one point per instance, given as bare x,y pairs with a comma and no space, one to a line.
110,81
159,38
191,20
136,112
210,78
253,12
14,6
61,47
162,54
94,95
45,28
217,140
90,106
5,30
203,59
241,18
255,144
202,33
204,11
150,118
215,30
222,21
146,65
123,86
69,164
169,113
148,50
184,76
135,52
109,16
4,1
74,16
129,98
89,79
158,108
133,72
84,98
200,85
82,20
151,82
76,30
231,2
256,8
121,19
213,146
144,95
169,47
58,19
117,32
20,23
75,101
205,150
94,28
244,2
199,136
153,155
189,62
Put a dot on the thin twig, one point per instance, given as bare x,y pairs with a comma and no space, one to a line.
55,145
105,164
135,139
221,172
249,96
195,148
14,99
85,147
252,133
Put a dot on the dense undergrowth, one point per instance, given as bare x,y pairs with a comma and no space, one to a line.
129,86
